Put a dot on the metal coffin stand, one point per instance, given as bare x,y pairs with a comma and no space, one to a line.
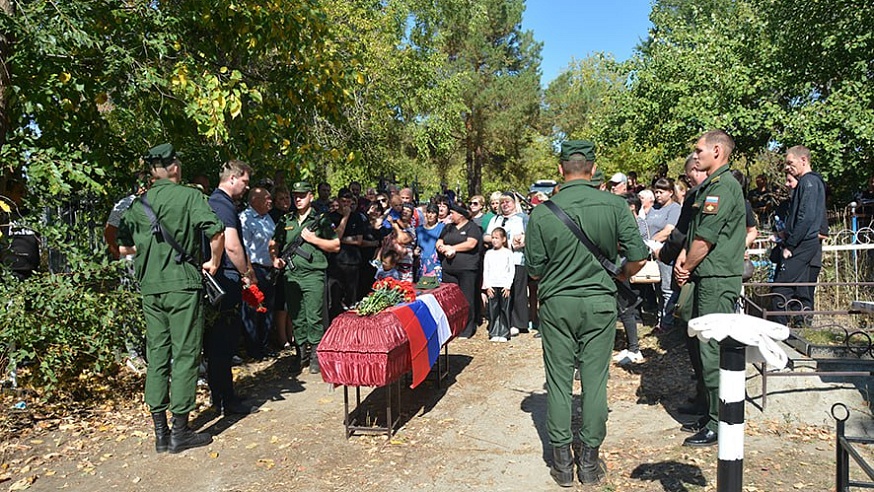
354,421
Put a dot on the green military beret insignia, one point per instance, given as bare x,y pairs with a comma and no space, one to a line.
584,148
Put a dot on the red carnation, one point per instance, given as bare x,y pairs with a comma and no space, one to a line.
253,296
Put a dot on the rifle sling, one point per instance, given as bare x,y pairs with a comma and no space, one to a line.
608,265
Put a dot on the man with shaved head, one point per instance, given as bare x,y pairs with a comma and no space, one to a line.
257,230
711,265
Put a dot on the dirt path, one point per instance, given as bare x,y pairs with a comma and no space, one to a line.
485,431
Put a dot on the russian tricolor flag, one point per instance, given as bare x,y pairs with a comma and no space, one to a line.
427,329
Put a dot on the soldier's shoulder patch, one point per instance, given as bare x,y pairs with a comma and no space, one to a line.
711,204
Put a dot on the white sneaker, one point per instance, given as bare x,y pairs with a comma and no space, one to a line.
494,339
621,355
500,339
631,358
514,331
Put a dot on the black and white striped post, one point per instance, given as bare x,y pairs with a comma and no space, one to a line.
732,393
735,333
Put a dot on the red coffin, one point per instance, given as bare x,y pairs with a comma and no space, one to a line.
374,350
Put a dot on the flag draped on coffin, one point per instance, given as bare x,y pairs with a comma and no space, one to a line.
376,350
421,329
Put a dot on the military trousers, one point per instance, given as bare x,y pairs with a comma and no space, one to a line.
713,295
174,338
305,301
577,330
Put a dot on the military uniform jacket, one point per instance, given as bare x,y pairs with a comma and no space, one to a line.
564,264
720,219
289,229
185,215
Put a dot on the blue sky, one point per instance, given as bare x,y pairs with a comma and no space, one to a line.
572,29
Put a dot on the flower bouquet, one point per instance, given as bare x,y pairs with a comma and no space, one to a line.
253,296
387,292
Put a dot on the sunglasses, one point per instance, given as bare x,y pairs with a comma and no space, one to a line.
383,200
474,203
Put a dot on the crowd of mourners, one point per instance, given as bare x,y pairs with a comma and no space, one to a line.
478,243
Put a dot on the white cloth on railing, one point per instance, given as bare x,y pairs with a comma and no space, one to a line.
759,335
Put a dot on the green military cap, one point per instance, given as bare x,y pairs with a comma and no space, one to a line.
301,187
161,155
598,177
582,147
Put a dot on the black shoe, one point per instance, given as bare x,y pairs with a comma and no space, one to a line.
537,335
696,425
704,437
238,408
295,364
562,470
182,438
314,364
591,469
162,432
693,409
305,352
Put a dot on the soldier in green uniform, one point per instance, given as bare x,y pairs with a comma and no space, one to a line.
172,293
712,263
578,305
306,236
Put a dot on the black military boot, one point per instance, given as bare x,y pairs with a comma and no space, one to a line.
590,468
162,432
305,350
314,363
182,438
562,470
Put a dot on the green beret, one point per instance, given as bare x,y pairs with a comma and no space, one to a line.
583,147
161,155
301,187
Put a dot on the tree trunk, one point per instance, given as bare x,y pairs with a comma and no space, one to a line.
6,41
474,155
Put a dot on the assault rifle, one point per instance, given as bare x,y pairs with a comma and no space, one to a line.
291,249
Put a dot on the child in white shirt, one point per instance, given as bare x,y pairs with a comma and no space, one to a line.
498,272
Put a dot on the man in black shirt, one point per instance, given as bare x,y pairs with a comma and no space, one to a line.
222,337
801,243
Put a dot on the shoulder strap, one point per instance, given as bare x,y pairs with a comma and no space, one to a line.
608,265
624,289
181,254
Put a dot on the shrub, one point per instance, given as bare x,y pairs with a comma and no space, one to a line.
65,333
